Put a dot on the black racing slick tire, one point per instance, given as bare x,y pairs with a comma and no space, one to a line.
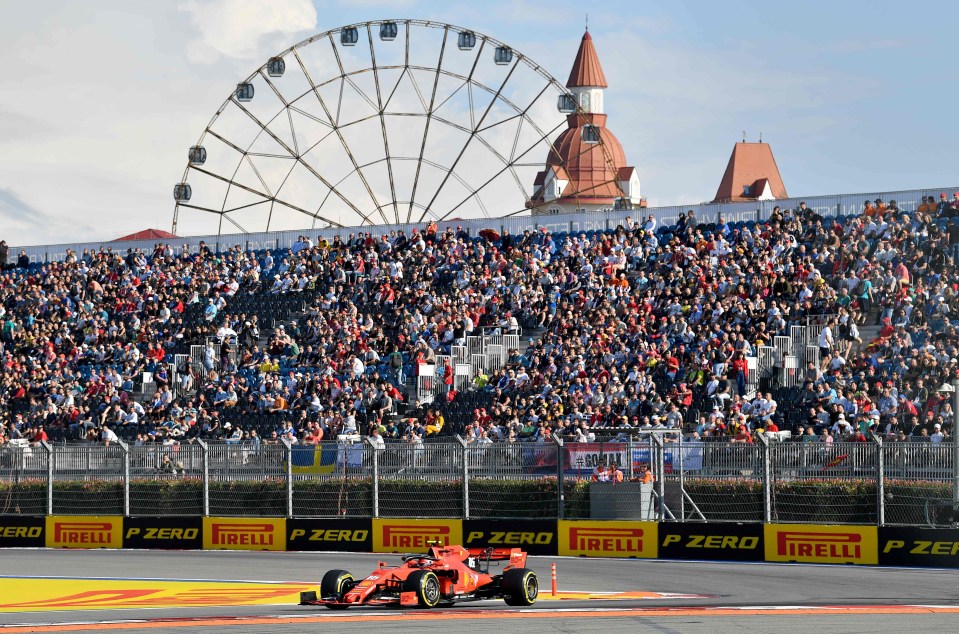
335,584
520,586
426,585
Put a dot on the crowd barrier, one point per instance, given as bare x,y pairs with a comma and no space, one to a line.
786,543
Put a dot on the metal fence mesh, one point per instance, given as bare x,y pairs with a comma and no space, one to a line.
824,483
88,480
421,480
495,470
247,480
166,480
918,481
727,486
332,479
23,485
695,481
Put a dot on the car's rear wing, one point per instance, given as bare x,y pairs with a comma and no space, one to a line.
515,556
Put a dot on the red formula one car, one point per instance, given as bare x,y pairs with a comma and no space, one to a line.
443,576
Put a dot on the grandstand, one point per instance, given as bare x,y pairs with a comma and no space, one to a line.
578,334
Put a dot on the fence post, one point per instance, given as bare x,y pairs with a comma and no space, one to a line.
375,463
126,477
880,482
50,453
629,454
206,476
656,443
767,481
678,459
465,475
560,485
289,476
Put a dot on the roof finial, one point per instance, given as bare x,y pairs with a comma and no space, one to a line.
587,21
760,137
744,136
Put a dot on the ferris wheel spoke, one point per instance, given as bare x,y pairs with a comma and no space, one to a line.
310,116
432,109
302,162
339,135
258,175
418,91
233,222
286,109
247,206
386,142
226,142
508,166
230,182
471,137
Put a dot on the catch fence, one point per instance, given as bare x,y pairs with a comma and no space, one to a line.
875,483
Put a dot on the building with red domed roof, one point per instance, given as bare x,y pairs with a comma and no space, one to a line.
586,169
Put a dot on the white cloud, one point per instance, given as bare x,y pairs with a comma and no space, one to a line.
237,28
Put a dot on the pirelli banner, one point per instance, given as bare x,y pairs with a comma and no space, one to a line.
607,539
817,544
244,533
84,531
414,535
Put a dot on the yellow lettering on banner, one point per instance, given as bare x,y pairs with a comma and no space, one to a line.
414,535
80,531
244,533
608,539
21,532
811,543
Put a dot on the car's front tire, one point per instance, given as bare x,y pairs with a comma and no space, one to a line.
426,585
335,584
520,586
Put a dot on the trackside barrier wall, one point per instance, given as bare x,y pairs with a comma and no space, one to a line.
827,206
792,543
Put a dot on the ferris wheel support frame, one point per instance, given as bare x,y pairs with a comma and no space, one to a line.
295,154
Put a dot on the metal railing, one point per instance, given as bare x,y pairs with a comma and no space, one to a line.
770,481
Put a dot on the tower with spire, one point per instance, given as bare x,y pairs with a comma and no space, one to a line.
586,169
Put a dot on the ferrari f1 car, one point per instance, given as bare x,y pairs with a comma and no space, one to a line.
443,576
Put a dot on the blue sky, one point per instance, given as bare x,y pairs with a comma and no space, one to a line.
100,100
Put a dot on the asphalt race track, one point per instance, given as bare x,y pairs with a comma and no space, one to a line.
239,592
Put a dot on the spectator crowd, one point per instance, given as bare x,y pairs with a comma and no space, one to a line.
641,327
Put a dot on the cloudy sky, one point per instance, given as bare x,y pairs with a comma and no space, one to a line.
99,100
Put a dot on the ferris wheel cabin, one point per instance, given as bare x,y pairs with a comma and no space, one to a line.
503,55
388,31
466,40
182,192
349,36
197,155
244,92
275,67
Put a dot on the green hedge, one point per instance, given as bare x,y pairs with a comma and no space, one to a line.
817,501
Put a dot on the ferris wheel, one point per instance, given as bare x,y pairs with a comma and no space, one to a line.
380,123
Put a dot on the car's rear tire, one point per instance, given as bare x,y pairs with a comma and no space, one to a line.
520,586
335,584
426,585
